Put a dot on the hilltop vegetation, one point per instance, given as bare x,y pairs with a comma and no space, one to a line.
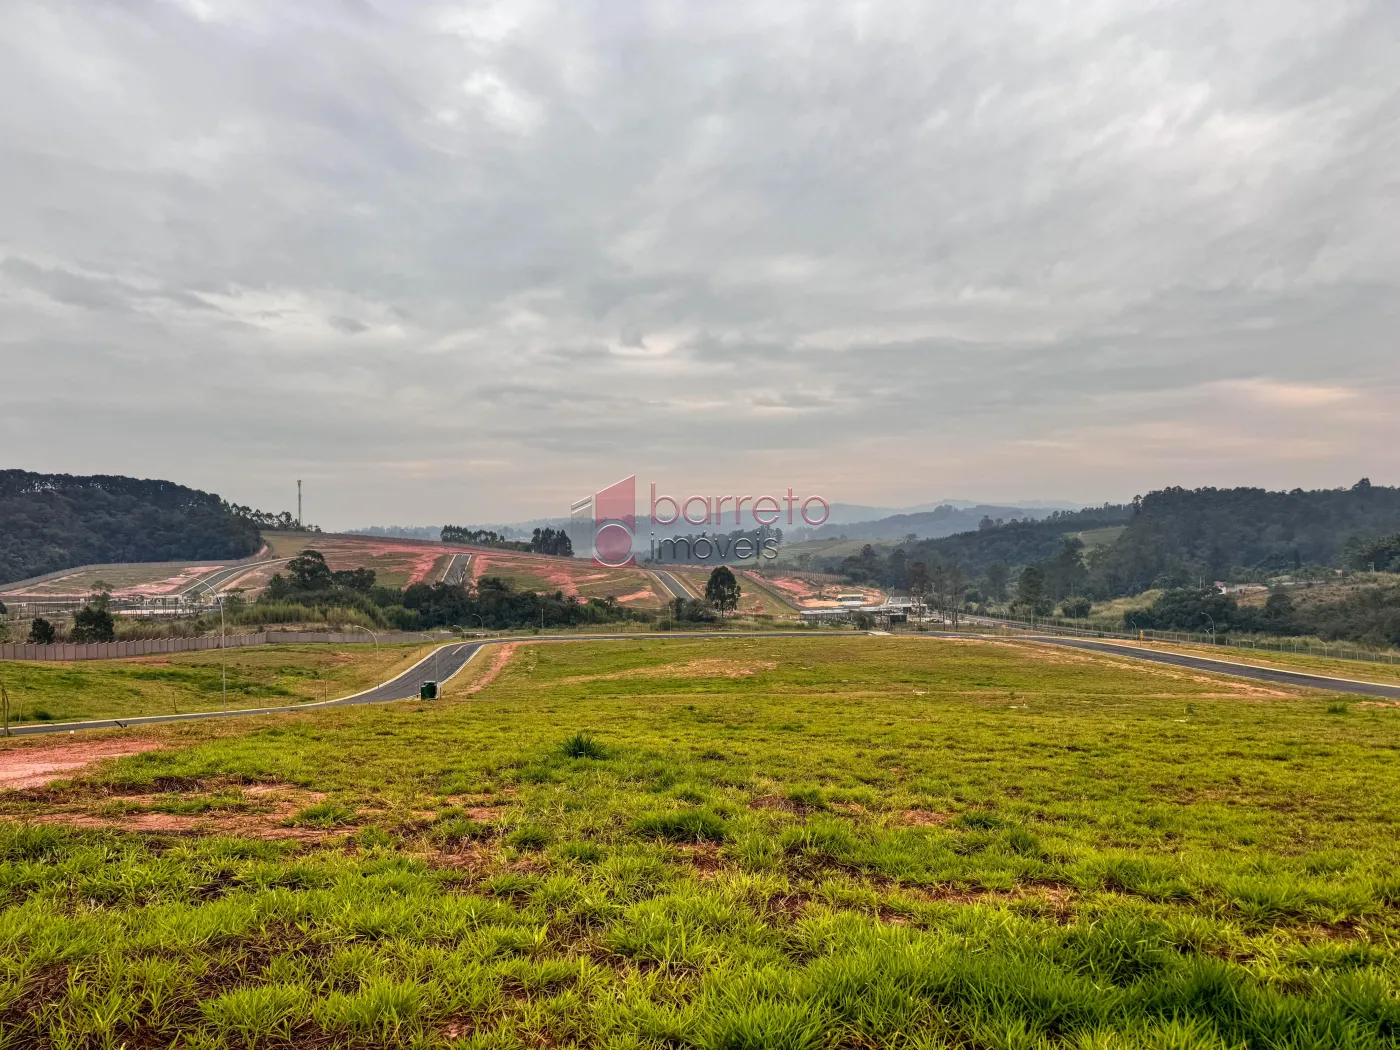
57,521
1176,536
1176,541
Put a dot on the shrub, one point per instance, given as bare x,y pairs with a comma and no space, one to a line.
690,825
581,745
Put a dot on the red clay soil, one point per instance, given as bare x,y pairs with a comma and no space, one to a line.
498,661
34,766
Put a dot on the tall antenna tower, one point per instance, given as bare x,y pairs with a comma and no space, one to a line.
298,502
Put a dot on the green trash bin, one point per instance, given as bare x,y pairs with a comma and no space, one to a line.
428,691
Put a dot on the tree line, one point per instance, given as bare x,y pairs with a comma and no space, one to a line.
542,541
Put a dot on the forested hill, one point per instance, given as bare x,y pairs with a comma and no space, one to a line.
1017,543
1211,533
1172,537
56,521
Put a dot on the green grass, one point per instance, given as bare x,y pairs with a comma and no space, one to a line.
269,676
873,842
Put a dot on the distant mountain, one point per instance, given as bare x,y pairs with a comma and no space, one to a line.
405,532
860,514
944,520
57,521
855,520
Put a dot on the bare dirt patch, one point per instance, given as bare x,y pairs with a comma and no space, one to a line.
32,766
704,857
242,825
260,812
499,659
922,818
781,804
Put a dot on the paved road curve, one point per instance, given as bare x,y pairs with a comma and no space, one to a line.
1203,663
438,666
223,576
447,660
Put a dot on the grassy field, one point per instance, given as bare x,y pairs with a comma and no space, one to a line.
729,845
269,676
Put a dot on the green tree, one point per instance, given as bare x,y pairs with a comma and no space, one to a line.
552,541
1030,591
919,582
722,589
1076,607
94,623
998,576
41,632
955,593
361,580
1065,573
1278,612
310,572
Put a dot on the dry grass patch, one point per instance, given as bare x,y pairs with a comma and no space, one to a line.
703,668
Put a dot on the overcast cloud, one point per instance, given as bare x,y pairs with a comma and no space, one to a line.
467,261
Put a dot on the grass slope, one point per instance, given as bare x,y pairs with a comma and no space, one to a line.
731,844
269,676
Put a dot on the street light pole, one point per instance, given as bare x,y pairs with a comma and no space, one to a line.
368,632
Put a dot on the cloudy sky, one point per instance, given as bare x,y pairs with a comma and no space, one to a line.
468,261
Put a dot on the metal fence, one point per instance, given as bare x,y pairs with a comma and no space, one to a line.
157,646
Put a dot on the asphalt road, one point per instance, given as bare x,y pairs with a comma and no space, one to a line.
447,660
672,584
438,666
218,579
1202,663
456,570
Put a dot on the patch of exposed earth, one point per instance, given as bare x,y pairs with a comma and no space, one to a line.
35,765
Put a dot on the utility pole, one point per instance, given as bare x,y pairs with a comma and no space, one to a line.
298,502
